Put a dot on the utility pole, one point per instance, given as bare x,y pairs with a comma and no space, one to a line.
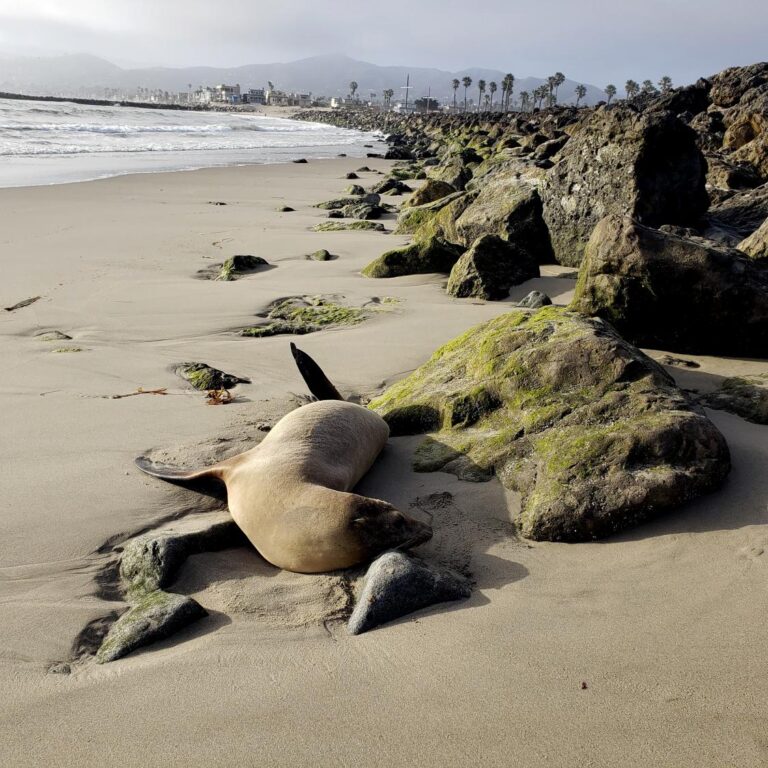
406,88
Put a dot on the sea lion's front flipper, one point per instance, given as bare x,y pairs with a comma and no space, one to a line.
177,474
318,383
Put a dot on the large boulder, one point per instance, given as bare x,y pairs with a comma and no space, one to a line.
619,161
420,257
738,216
508,206
490,268
593,433
431,190
665,291
436,218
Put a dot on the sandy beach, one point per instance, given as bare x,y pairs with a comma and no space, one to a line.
647,648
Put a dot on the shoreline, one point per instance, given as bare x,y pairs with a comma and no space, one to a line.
645,618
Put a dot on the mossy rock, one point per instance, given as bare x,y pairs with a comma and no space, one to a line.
746,396
300,315
239,265
349,226
421,257
431,190
437,219
342,202
594,434
204,377
321,255
354,189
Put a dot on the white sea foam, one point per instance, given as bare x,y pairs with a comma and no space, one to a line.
37,137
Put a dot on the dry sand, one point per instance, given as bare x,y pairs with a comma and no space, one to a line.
666,624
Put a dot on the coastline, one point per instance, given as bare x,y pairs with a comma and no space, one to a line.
645,618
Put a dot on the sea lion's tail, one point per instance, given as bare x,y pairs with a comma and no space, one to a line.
318,383
179,474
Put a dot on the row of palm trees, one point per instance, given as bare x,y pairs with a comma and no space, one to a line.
546,93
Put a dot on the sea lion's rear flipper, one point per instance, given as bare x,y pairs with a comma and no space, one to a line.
177,474
318,383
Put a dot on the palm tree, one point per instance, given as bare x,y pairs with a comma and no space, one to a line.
353,88
541,93
506,90
455,85
388,94
581,92
466,81
559,80
492,88
610,91
648,88
481,89
525,98
631,88
665,84
551,90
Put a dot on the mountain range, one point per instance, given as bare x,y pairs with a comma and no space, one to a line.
84,75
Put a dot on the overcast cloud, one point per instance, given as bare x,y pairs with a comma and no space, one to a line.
588,40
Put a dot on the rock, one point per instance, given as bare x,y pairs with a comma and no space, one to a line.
335,214
730,85
724,174
156,616
340,226
23,303
535,300
680,362
433,255
622,162
341,202
431,190
397,153
321,255
437,218
490,268
737,217
354,189
299,315
236,266
668,292
548,149
511,208
285,209
756,245
204,377
592,433
390,186
398,584
364,169
363,211
352,175
746,396
52,336
300,160
454,171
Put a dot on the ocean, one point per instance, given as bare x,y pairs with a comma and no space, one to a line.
59,142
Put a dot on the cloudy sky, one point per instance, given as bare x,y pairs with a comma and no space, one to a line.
590,40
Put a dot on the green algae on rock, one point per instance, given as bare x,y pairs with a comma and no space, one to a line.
234,267
304,314
746,396
341,226
594,434
204,377
420,257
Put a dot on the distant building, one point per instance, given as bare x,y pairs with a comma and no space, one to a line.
277,98
255,96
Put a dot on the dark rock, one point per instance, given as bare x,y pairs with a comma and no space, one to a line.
668,292
550,148
354,189
746,396
204,377
490,268
592,433
239,265
321,255
352,175
22,304
390,186
363,211
738,216
340,202
398,584
398,153
432,255
364,169
622,162
374,155
756,245
285,209
678,361
535,300
300,160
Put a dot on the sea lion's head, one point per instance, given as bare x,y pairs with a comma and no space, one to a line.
380,526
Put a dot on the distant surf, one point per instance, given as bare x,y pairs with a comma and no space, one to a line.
50,143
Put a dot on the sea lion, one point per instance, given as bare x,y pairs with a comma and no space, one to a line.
291,494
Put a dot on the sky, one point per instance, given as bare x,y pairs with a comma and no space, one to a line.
590,41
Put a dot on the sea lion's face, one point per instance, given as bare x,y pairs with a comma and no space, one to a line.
380,527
